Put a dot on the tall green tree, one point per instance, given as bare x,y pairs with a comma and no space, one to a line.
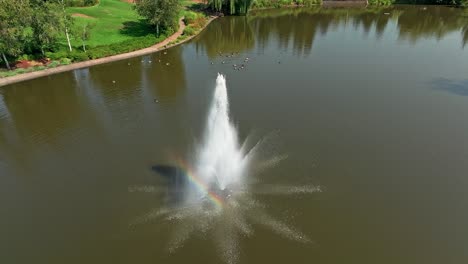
162,14
14,20
47,23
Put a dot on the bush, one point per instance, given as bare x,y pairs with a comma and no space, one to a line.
189,17
57,55
65,61
25,57
189,31
76,55
37,68
200,22
53,64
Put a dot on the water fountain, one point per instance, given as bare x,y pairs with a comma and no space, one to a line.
219,161
219,193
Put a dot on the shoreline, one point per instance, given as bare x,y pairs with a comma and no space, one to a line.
163,45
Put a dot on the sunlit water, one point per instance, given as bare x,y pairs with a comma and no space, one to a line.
369,103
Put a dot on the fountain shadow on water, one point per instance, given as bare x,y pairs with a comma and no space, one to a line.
176,182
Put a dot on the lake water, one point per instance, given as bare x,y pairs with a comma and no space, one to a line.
370,104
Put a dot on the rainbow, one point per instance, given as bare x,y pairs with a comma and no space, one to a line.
199,184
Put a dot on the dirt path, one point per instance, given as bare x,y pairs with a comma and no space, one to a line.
81,15
84,64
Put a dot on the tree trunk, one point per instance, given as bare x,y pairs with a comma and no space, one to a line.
6,61
84,47
68,39
66,29
157,29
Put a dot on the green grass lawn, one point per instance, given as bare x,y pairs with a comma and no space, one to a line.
117,29
115,21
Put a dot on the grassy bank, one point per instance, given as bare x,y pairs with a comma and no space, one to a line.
114,28
196,16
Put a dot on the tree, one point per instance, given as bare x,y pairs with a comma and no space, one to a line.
159,13
83,32
232,6
14,19
47,23
68,22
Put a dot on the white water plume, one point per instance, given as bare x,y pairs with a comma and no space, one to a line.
219,161
219,197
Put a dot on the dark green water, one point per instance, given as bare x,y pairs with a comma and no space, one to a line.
371,106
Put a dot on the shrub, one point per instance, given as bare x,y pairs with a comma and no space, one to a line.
189,31
65,61
25,57
189,17
57,55
199,22
77,55
37,68
53,64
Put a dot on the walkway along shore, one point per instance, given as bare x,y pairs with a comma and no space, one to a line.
84,64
